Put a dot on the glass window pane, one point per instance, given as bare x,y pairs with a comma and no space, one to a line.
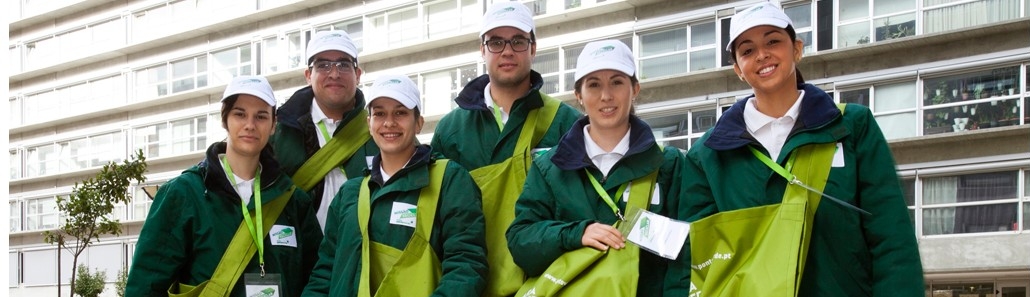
800,16
702,34
703,59
43,270
15,164
963,289
895,27
662,66
969,219
1026,216
860,96
571,56
969,14
853,34
895,126
895,96
663,42
703,120
13,267
437,90
546,62
882,7
853,9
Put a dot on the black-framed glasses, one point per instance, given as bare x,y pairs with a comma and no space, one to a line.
327,66
517,44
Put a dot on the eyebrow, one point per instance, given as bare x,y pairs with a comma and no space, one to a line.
772,31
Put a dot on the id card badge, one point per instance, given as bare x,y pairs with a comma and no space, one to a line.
654,233
262,286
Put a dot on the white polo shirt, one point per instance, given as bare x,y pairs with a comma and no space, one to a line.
336,177
602,159
771,132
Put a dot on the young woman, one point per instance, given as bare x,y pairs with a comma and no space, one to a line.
237,188
414,227
850,253
576,192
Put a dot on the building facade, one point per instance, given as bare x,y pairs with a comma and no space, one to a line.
948,81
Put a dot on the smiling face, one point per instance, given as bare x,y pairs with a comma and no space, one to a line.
766,58
508,68
393,127
607,96
334,90
250,123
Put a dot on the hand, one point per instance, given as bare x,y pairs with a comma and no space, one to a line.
600,236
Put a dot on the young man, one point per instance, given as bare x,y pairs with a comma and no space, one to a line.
511,119
322,138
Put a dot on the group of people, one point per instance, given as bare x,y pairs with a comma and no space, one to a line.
331,194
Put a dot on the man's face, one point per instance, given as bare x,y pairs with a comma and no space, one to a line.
508,68
334,84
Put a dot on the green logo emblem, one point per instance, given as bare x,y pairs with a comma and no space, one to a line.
284,233
603,50
267,292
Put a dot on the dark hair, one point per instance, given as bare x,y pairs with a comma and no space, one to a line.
793,37
227,105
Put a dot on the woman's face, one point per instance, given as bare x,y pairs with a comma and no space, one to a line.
607,96
766,58
250,124
393,126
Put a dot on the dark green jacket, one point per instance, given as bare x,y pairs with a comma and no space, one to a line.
457,236
194,217
296,138
850,254
469,133
558,200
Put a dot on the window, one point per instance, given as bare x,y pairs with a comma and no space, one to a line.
141,203
1026,200
889,19
42,160
279,53
14,58
14,103
229,63
970,203
107,257
963,289
908,188
41,214
189,74
353,28
173,137
891,104
678,50
559,70
43,270
41,106
40,53
93,151
681,129
15,158
977,100
152,82
546,63
944,15
13,269
446,18
394,28
15,212
801,19
539,7
440,88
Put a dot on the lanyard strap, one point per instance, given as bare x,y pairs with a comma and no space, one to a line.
259,237
497,117
327,137
785,173
604,194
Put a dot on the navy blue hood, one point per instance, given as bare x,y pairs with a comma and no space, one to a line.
472,97
730,132
571,152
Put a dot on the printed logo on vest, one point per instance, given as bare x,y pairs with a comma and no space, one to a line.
282,235
267,292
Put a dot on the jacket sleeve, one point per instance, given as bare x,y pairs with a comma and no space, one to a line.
312,233
163,246
693,201
535,238
463,264
322,272
889,234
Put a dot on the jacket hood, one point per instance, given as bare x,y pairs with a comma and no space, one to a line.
298,107
210,169
571,152
730,132
423,155
472,97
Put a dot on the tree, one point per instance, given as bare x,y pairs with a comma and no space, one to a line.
119,284
90,284
86,210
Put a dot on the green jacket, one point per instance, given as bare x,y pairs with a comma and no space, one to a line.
558,200
296,138
850,254
469,133
194,217
457,236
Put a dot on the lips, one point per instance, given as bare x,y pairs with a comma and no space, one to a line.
607,111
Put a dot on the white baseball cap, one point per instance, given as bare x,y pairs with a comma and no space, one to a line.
254,85
507,14
396,87
336,40
605,54
765,13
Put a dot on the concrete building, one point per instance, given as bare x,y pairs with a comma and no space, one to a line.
949,82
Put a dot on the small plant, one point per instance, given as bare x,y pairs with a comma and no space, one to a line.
89,284
119,283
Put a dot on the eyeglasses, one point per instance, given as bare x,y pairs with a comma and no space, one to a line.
517,44
327,66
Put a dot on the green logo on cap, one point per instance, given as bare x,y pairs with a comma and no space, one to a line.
603,49
505,10
389,82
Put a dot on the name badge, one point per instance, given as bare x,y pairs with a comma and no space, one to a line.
655,197
654,233
838,156
403,214
262,286
368,161
283,235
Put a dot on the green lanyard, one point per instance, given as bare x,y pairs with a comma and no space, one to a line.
259,237
604,194
325,134
497,116
785,173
